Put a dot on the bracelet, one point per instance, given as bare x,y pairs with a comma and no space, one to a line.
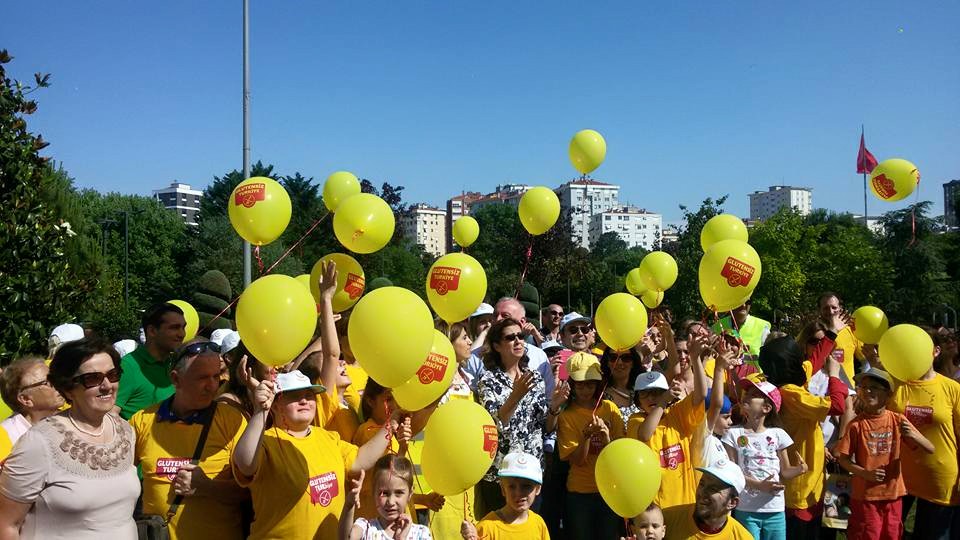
554,413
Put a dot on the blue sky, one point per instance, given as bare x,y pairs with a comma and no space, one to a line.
695,99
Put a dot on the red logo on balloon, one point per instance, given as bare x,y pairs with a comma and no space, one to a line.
433,368
884,186
248,195
490,440
738,273
444,279
354,286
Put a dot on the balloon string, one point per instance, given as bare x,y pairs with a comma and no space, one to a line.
526,266
256,254
599,398
268,270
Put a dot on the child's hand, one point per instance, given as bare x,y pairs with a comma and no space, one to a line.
832,366
328,280
402,428
770,486
603,429
433,501
801,463
561,392
908,430
671,397
354,484
876,475
468,531
397,528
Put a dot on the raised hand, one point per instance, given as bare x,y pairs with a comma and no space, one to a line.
521,385
328,280
354,485
561,393
468,530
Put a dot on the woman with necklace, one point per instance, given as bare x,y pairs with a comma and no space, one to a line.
72,474
620,369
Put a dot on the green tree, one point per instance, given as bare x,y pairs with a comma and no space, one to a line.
39,288
919,280
780,242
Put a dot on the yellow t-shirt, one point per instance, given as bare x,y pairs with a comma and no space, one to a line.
680,526
801,413
298,489
672,441
5,446
932,406
851,347
335,417
163,447
570,428
366,431
491,527
353,394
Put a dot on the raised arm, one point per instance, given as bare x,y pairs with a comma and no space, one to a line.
246,455
328,328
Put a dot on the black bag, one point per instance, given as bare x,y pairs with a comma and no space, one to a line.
151,527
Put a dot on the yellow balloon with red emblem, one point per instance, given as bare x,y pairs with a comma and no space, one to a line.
350,280
460,443
259,210
433,378
456,286
276,318
894,179
729,272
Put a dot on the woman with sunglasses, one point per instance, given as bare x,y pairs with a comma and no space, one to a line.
515,396
620,369
72,474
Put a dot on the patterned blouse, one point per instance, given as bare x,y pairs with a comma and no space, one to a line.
525,430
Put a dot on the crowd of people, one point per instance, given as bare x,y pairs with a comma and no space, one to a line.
201,440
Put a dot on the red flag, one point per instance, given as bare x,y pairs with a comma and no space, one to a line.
865,160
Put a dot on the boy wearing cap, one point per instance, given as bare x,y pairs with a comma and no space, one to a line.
587,425
718,493
870,451
520,480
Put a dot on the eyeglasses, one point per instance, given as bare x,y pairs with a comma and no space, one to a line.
95,378
512,337
621,358
556,313
196,348
35,385
578,329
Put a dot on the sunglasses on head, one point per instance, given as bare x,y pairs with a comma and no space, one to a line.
512,337
95,378
199,347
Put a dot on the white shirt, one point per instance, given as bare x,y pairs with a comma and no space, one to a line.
757,456
15,427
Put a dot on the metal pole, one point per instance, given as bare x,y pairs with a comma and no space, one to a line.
246,126
126,259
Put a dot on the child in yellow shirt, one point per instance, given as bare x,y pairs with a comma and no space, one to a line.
520,480
587,425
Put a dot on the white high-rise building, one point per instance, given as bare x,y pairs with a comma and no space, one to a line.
182,200
585,198
635,226
426,226
764,204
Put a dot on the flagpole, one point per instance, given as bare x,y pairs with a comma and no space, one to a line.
864,188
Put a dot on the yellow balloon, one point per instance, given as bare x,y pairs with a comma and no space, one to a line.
628,476
539,210
652,299
894,179
729,272
304,280
364,223
460,442
276,318
259,210
634,284
658,271
465,231
456,286
339,186
621,321
722,227
432,379
869,324
391,332
192,318
906,352
587,150
350,280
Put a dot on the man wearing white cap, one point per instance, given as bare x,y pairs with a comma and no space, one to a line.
718,493
575,332
65,333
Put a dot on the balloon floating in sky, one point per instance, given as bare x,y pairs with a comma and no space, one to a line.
587,150
894,179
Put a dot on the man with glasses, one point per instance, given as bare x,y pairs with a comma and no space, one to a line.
551,323
167,437
576,332
146,378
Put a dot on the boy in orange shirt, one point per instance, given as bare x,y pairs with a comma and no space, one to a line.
870,451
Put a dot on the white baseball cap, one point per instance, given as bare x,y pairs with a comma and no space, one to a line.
649,381
65,333
229,342
125,346
217,335
727,472
573,316
521,465
484,309
295,380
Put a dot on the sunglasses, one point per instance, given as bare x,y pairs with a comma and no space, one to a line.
557,313
199,347
621,358
35,385
512,337
95,378
578,329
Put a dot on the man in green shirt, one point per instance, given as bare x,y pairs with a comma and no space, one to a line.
146,371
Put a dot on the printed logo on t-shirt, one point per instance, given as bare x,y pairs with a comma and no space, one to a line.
167,467
919,416
879,442
323,488
596,444
837,355
671,457
444,279
743,441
